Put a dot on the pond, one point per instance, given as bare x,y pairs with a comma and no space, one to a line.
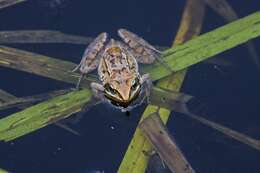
226,91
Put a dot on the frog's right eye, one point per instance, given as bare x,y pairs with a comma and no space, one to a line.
135,83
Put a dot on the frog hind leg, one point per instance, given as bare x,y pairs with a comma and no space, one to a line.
144,52
91,56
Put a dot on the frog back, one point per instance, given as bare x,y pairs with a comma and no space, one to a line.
115,60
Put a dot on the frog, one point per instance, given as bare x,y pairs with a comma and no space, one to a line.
120,82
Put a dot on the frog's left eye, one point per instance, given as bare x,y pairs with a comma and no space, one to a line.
135,83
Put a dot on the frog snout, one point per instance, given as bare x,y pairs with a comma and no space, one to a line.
125,93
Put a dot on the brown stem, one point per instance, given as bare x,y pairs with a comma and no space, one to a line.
164,144
41,36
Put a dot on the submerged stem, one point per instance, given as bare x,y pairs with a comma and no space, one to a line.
8,3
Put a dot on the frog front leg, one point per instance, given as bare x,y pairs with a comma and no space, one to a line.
97,90
91,56
147,84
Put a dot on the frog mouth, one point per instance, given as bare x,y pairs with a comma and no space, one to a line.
122,103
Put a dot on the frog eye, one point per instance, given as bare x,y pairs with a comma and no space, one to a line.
135,83
110,89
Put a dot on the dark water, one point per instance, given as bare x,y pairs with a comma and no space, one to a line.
231,93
